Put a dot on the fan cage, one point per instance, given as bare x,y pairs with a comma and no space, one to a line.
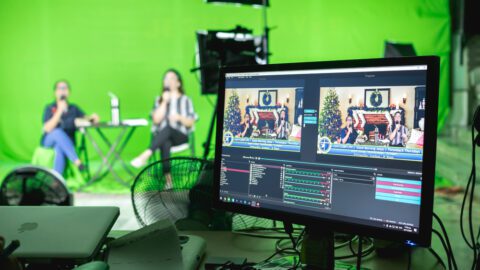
34,185
152,202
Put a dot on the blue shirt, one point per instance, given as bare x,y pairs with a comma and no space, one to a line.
67,121
351,138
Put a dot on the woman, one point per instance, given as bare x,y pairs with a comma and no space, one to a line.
173,117
348,135
59,127
282,126
247,127
398,133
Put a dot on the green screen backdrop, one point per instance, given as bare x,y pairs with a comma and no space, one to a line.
124,46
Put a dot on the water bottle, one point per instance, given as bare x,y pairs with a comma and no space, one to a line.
115,108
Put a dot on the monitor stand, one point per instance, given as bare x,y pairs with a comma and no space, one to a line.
318,247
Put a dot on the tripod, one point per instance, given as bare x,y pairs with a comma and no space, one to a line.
223,61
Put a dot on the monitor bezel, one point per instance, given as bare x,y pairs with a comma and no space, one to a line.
423,238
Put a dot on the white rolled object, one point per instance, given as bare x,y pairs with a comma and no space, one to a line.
115,109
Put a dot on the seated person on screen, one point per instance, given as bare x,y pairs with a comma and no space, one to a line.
173,116
348,135
247,127
282,127
59,126
397,132
297,129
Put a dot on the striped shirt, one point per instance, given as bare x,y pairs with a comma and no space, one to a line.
398,140
182,106
284,130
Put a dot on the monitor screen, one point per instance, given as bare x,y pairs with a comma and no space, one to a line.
343,143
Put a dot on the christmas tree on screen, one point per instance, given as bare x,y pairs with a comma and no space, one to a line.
330,121
233,116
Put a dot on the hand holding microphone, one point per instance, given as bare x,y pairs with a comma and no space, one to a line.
397,125
62,104
166,95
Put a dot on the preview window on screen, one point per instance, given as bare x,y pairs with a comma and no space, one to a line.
334,143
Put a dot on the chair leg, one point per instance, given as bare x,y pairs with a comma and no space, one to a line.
192,144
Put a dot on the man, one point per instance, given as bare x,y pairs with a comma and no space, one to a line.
348,134
283,127
397,132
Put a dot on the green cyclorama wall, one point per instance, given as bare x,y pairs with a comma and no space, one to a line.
124,46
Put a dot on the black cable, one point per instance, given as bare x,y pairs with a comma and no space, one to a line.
470,208
275,254
359,254
447,240
257,229
354,254
444,247
294,243
278,247
289,230
439,259
296,264
280,252
462,209
300,236
409,253
251,232
472,243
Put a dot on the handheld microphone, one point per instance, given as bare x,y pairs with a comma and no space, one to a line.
9,249
63,97
165,89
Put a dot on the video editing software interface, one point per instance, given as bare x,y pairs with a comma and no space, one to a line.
343,144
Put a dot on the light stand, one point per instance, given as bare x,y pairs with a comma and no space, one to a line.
240,49
208,142
266,32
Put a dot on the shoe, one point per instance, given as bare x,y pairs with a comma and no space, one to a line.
168,185
138,162
81,167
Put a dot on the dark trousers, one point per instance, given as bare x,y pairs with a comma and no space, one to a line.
163,140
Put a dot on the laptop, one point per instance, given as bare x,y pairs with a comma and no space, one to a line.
57,232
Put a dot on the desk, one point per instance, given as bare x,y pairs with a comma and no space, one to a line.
115,149
227,244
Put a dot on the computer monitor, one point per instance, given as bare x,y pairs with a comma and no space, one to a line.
345,145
